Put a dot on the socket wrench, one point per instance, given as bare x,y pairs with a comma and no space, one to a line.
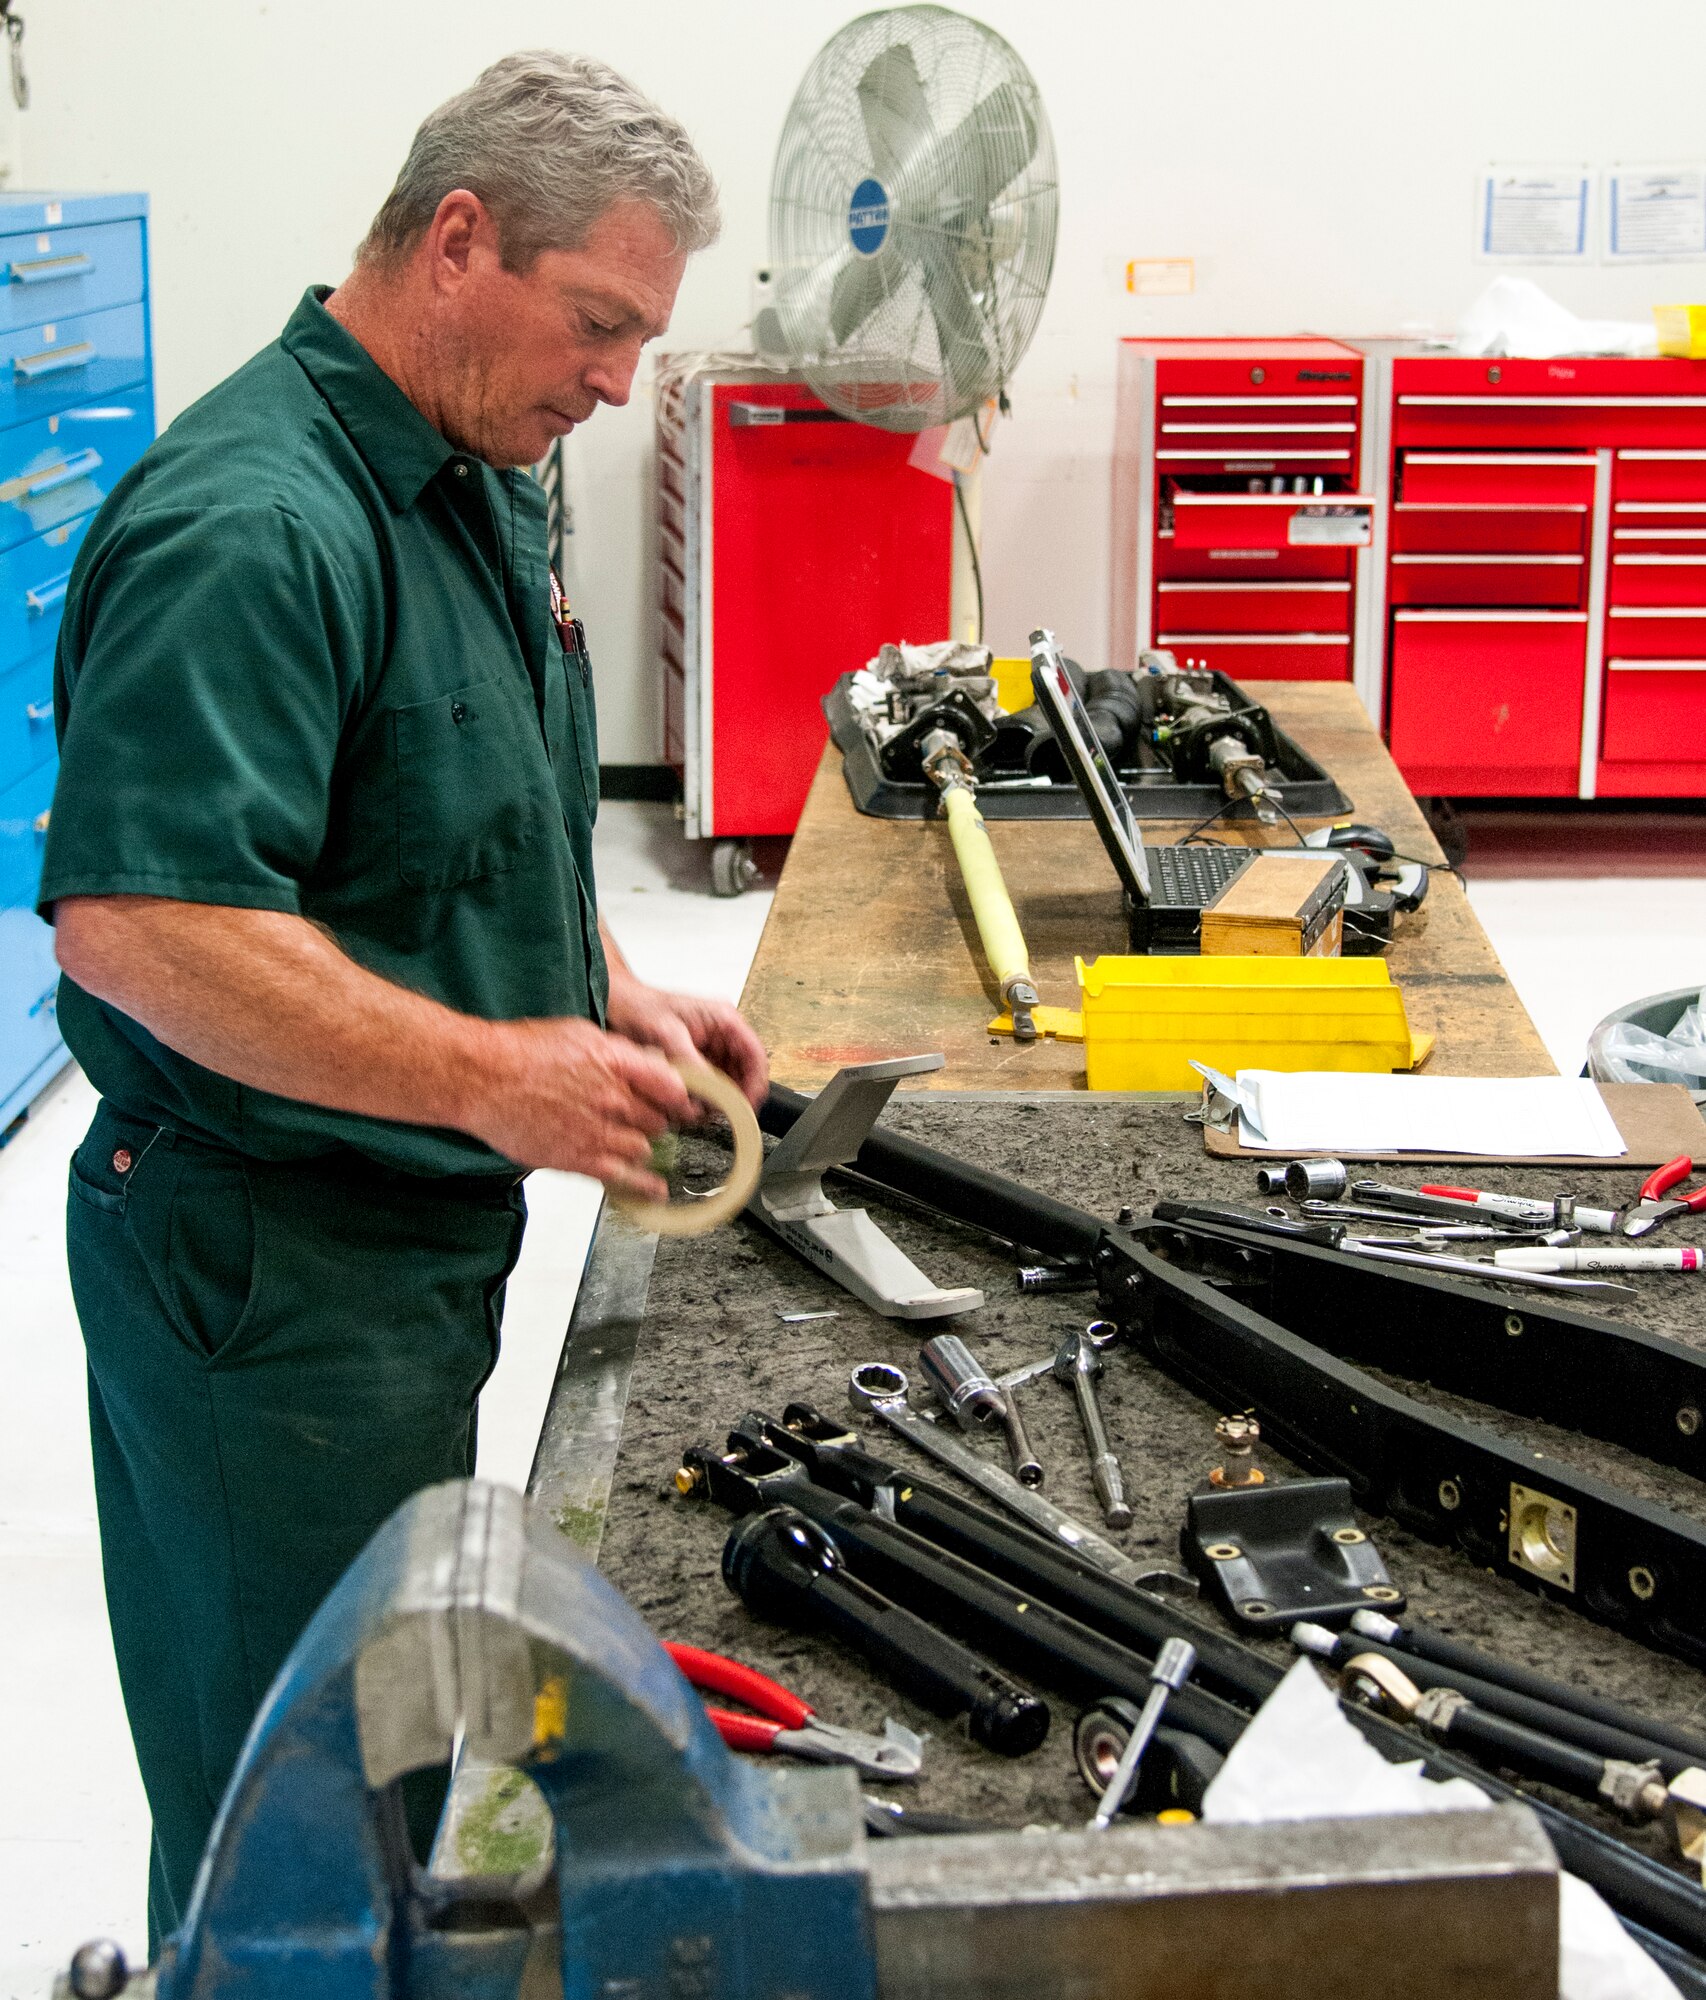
967,1392
1078,1363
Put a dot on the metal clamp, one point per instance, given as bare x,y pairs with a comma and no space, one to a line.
844,1242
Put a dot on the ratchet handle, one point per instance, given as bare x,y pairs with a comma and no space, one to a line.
740,1683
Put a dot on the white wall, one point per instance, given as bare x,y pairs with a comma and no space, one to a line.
1316,160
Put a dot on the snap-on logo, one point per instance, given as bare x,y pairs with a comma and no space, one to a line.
1323,374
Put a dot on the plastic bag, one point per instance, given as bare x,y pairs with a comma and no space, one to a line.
1636,1055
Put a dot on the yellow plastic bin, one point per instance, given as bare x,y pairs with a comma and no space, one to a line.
1147,1019
1682,331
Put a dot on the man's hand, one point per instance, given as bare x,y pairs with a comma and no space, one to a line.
563,1093
687,1028
268,1000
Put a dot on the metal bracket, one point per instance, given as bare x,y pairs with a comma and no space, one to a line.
845,1243
1270,1555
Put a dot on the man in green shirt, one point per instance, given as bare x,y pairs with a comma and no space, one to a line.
321,872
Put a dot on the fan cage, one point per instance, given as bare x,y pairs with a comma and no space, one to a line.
910,305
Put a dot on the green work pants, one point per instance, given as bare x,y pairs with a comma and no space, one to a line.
279,1355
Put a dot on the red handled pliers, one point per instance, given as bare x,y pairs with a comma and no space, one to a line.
1650,1208
786,1723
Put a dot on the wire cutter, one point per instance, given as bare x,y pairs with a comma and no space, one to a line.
785,1723
1650,1208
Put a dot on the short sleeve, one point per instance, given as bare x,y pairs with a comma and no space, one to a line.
207,667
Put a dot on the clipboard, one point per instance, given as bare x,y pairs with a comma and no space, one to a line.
1657,1122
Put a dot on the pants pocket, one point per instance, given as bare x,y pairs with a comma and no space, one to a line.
191,1216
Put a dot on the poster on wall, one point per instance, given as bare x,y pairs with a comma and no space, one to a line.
1655,215
1534,215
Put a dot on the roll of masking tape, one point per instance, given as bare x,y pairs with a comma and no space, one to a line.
709,1211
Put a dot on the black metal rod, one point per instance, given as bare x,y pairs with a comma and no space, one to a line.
1559,1723
1426,1644
1684,1972
1007,1549
781,1567
955,1188
1000,1619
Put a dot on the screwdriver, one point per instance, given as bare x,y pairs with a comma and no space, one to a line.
1173,1666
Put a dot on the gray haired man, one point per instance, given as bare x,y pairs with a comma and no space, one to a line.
320,866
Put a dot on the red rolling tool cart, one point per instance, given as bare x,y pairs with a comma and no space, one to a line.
792,544
1546,576
1242,508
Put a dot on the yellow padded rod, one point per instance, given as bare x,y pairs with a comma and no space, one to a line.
1003,941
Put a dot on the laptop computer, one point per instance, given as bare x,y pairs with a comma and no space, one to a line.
1166,889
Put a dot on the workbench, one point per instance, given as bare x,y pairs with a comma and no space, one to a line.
674,1342
871,951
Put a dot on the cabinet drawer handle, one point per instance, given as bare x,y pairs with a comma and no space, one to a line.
53,361
38,711
46,595
45,270
31,486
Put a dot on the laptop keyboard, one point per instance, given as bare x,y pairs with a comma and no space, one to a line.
1191,877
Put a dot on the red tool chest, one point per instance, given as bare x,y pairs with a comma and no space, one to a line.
1241,509
791,545
1545,557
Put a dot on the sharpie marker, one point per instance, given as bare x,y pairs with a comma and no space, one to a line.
1523,1208
1600,1260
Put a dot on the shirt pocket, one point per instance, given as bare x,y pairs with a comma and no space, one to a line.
473,785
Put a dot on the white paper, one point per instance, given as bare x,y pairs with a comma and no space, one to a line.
1302,1759
1334,1111
1514,316
1655,215
1534,215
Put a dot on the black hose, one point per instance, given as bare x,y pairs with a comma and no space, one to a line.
955,1188
1425,1643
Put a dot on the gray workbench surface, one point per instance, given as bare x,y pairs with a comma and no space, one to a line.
712,1347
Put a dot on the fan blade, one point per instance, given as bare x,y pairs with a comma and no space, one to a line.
858,290
967,364
897,119
966,171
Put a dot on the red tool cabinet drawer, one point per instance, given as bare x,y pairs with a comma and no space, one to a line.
1246,565
1272,521
1275,656
1655,711
1508,478
1540,420
1424,528
1488,703
1656,632
1489,579
1650,578
1659,475
1256,607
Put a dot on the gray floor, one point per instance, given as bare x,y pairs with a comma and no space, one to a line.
72,1822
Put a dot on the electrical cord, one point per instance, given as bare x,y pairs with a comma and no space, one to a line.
971,550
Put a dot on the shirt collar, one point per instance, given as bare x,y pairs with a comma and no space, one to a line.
402,450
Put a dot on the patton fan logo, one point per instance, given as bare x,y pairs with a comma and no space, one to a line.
868,217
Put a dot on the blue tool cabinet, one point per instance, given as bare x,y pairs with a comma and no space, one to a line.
76,411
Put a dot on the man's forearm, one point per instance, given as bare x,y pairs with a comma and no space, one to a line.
269,1000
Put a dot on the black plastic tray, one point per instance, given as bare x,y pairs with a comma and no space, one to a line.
1304,788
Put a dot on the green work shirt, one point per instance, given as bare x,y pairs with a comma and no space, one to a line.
311,662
